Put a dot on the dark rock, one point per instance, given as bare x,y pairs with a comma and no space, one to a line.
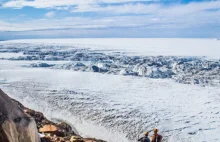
43,65
94,68
15,125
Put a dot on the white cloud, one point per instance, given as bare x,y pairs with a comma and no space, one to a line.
4,26
203,18
190,8
150,8
61,3
121,9
50,14
76,23
94,6
154,15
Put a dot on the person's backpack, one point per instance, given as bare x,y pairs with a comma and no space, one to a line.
144,139
157,138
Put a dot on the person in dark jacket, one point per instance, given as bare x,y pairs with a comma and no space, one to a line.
145,138
156,137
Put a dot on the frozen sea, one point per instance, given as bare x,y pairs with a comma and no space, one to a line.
114,107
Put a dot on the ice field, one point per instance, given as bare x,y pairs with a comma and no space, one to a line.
115,89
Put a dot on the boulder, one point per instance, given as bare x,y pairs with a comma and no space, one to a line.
65,128
53,129
48,129
15,125
76,139
94,68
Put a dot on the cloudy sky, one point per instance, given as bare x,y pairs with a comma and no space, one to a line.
109,18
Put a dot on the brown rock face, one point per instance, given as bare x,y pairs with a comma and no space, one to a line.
15,125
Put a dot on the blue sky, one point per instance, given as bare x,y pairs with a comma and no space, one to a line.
109,18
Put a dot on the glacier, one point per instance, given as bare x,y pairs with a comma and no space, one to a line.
115,89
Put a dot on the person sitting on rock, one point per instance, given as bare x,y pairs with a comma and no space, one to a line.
145,138
156,137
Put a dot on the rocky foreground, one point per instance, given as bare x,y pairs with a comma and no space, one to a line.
21,124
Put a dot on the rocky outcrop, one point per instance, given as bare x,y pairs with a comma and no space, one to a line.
21,124
15,125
